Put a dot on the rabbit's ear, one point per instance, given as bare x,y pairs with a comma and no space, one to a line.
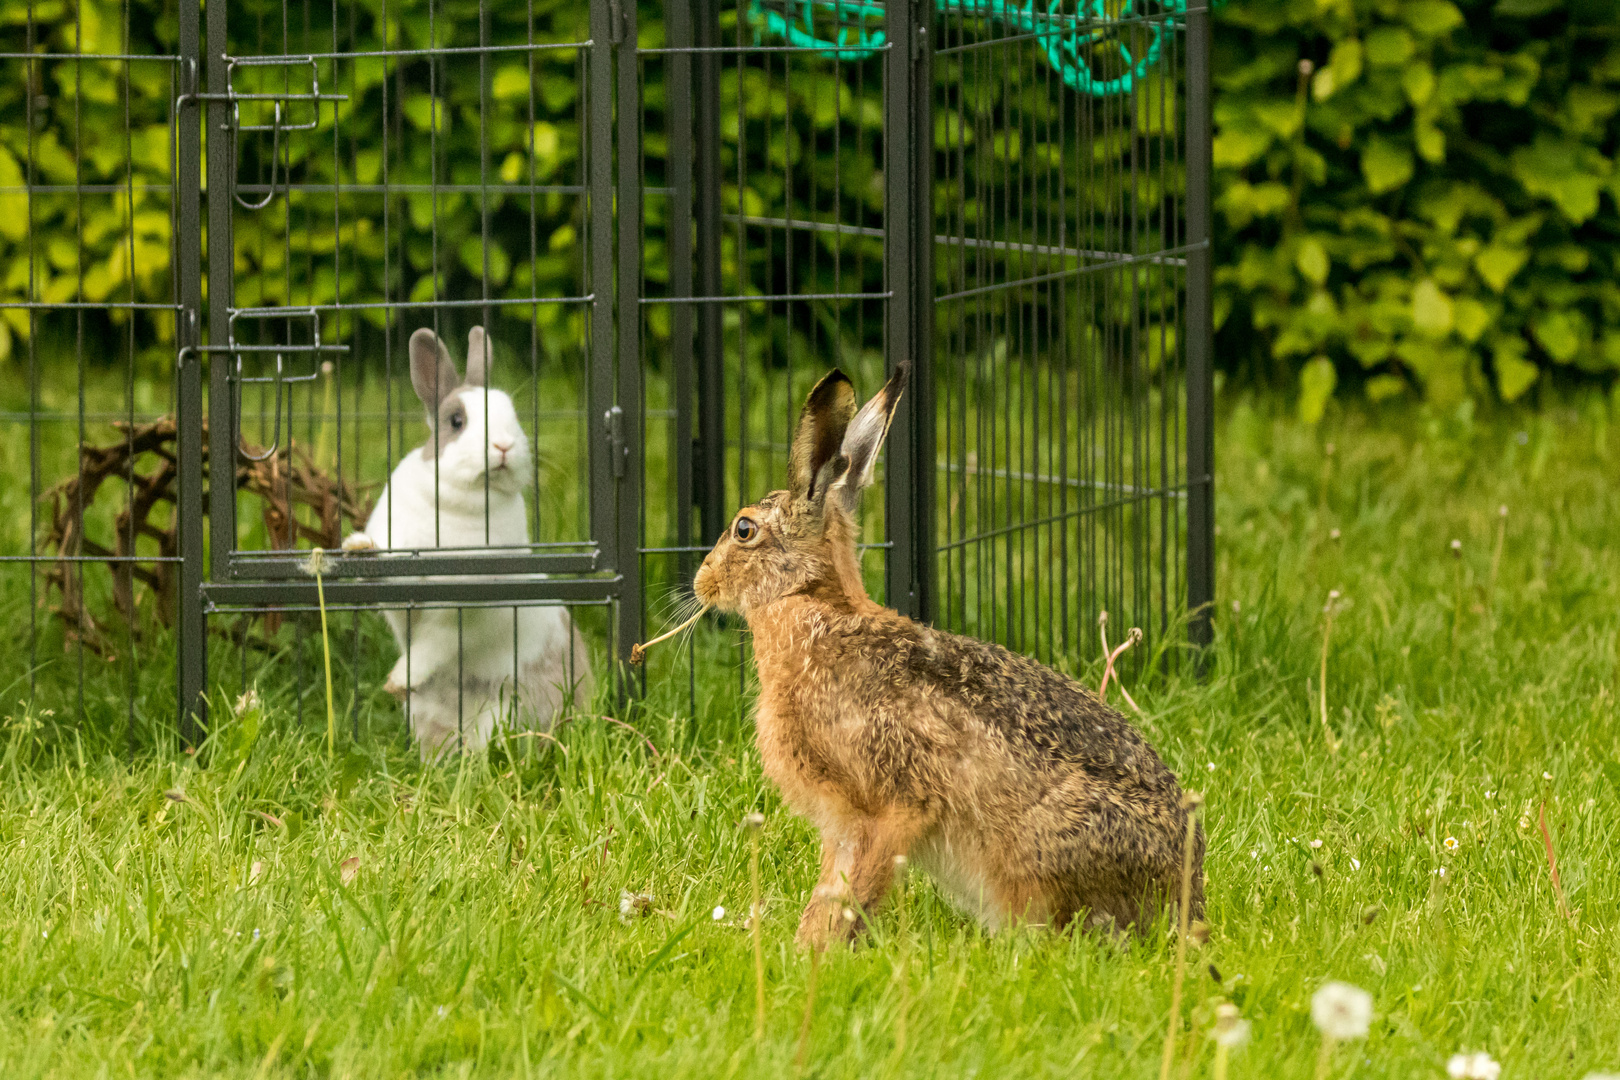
480,357
864,438
433,373
821,427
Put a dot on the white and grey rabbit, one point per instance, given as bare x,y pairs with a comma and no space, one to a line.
463,489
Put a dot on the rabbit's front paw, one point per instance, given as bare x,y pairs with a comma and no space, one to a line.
399,684
358,541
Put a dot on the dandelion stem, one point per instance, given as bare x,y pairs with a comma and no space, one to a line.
1496,558
1220,1061
802,1057
639,652
1327,634
316,562
1552,861
902,962
1190,801
759,944
1324,1060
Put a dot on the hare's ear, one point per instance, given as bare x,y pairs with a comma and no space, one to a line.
433,373
821,427
864,436
480,356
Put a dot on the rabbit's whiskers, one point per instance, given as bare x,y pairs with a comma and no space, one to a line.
639,652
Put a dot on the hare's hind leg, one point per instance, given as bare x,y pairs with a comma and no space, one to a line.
857,868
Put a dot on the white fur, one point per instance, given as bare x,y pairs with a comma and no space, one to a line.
440,503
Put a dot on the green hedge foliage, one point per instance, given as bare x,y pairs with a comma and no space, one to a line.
1413,196
1418,194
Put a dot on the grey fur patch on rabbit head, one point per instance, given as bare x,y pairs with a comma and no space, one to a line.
803,538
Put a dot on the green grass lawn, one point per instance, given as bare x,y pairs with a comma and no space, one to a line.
260,910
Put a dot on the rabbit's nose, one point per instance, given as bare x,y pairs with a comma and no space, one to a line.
504,448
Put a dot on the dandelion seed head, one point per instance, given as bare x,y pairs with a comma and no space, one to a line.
755,820
718,913
1306,67
1333,535
1342,1011
1211,766
318,562
1477,1066
1231,1030
1501,511
1237,606
849,915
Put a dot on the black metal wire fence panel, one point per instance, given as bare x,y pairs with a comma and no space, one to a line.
224,234
1060,346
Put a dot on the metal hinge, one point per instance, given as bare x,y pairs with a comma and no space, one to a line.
617,451
615,22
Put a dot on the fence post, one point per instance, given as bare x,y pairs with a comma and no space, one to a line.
908,256
631,491
709,478
192,644
1200,340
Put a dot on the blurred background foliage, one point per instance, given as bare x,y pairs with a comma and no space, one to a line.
1413,197
1418,196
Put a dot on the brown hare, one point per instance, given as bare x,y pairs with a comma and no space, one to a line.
1024,796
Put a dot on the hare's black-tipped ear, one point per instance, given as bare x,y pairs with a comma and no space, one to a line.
864,436
821,427
480,356
433,373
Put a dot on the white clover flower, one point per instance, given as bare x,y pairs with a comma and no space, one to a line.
1546,776
1452,843
1478,1066
1342,1011
1440,871
1316,843
1490,794
1212,766
718,913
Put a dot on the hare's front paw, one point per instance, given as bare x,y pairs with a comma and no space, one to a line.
358,541
826,920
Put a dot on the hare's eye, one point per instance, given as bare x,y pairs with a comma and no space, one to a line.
746,529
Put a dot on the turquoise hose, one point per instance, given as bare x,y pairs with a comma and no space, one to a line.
1066,39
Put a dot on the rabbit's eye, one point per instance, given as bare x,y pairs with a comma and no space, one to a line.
457,421
746,529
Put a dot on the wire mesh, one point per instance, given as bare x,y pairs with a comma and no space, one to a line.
669,223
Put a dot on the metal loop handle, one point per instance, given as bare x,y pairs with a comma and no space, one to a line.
275,147
275,441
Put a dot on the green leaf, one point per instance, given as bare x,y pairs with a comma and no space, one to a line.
1316,382
427,113
1514,374
1311,259
1497,265
1383,387
1389,46
510,83
1569,174
1431,142
1432,311
1386,164
1418,82
1431,18
1525,9
1471,317
1562,333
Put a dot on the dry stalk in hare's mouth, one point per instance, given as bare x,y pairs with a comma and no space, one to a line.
638,653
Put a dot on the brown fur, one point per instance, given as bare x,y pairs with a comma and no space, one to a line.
1025,796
